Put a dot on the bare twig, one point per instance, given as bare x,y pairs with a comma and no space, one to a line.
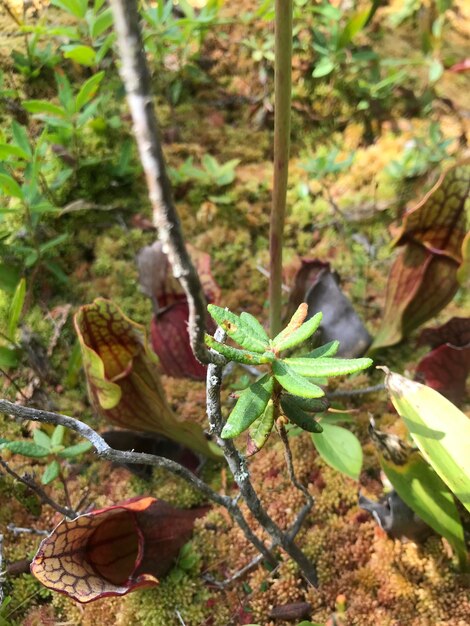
1,571
238,467
136,78
349,393
18,530
290,467
123,457
33,485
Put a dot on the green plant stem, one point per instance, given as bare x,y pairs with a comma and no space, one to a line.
282,106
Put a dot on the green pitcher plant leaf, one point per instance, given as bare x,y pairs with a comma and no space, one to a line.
440,430
123,380
340,449
239,329
295,383
250,405
327,366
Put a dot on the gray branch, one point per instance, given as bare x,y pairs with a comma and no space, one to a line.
136,78
238,467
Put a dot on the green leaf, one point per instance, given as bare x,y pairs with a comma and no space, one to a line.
328,349
327,366
102,22
294,383
58,436
7,150
294,411
324,67
51,472
9,277
88,90
21,137
260,430
53,243
76,450
239,330
256,327
353,26
10,187
75,7
250,405
440,430
16,307
426,494
41,438
286,340
311,405
240,356
26,448
340,449
84,55
436,69
43,106
9,357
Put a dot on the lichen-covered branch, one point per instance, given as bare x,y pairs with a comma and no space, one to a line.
123,457
238,467
135,75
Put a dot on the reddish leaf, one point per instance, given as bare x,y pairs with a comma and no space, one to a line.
461,66
423,278
317,285
291,611
123,381
114,550
170,340
446,370
420,284
456,332
169,326
439,221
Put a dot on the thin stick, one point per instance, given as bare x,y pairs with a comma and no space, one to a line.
2,595
136,78
290,466
282,106
33,485
238,467
123,457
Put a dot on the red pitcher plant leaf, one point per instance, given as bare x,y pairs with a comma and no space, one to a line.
169,326
424,277
122,377
114,550
447,366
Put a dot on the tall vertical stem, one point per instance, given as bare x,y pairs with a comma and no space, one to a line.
282,106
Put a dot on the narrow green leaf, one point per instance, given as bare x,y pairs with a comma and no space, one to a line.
58,435
328,349
51,472
41,438
43,106
240,356
340,449
298,416
7,150
76,450
237,329
324,67
260,430
250,405
295,383
327,366
299,335
10,187
21,137
88,90
256,327
428,496
75,7
16,307
353,26
102,22
310,405
26,448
